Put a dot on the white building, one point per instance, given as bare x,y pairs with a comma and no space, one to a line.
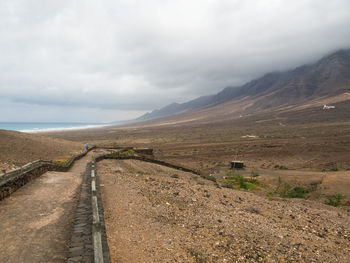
326,107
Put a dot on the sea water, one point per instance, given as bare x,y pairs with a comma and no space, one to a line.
47,126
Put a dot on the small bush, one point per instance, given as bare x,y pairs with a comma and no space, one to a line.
297,192
287,191
174,176
242,183
111,154
254,174
127,153
334,200
233,179
60,163
270,194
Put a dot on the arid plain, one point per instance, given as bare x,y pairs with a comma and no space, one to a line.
309,146
166,215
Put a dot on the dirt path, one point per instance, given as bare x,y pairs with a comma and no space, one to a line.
158,214
37,220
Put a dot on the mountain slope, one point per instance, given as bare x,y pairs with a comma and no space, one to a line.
326,78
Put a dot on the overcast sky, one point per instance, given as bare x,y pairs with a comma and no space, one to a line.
107,60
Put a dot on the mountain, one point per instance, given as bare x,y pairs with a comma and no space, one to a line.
327,78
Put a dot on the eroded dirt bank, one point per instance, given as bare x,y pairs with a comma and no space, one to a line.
157,214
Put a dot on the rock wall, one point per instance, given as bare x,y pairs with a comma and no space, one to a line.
12,181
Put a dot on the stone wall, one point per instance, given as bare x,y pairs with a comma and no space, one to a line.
13,180
11,183
146,159
89,239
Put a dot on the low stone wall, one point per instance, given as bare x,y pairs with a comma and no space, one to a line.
81,248
145,159
89,239
115,147
147,151
99,227
15,179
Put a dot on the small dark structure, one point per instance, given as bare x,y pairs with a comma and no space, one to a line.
237,165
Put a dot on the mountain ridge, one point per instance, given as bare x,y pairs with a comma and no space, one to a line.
329,76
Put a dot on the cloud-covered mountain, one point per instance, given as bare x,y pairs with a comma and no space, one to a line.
328,77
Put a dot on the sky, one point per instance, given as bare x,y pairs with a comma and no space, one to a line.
111,60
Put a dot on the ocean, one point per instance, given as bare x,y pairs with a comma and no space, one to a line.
47,126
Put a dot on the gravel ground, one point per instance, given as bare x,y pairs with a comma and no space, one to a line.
152,216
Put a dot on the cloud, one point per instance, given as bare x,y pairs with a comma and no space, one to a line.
129,55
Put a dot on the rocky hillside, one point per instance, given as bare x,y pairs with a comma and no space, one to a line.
19,148
327,78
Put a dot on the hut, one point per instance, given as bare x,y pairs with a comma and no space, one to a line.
237,165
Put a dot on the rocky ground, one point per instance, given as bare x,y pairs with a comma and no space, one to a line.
157,214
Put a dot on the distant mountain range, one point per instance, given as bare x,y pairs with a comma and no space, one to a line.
327,78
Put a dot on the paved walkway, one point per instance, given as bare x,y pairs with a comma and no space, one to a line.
37,220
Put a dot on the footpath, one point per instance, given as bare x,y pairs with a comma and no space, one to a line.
37,220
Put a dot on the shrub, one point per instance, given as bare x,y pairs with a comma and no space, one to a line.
334,200
242,183
254,174
127,153
233,179
175,176
297,192
287,191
